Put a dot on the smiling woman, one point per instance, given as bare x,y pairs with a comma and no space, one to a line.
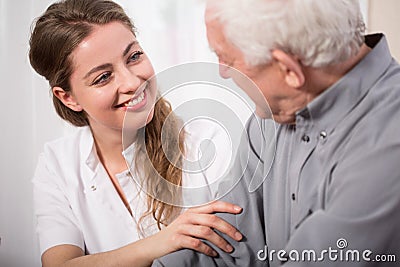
89,210
112,73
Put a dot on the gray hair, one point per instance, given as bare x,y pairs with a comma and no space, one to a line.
319,32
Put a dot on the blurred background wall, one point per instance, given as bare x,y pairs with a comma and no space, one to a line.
383,16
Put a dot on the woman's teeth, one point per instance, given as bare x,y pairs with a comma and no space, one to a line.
135,101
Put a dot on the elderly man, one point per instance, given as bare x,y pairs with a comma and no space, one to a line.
331,196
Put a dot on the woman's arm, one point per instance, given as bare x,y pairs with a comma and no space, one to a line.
185,232
139,253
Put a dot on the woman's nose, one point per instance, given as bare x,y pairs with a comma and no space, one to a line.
224,71
129,82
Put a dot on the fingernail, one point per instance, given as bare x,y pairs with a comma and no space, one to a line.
214,253
237,208
238,236
229,248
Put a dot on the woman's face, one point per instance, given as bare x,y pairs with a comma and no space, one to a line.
110,73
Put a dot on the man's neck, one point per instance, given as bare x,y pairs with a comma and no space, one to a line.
317,80
323,78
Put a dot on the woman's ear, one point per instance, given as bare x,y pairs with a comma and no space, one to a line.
290,67
67,98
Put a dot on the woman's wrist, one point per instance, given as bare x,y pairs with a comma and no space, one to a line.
154,247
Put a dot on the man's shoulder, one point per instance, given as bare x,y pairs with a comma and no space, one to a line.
381,116
259,134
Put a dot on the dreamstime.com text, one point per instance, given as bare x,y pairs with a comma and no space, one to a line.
340,253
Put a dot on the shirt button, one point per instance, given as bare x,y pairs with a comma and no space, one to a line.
322,135
293,197
305,138
93,188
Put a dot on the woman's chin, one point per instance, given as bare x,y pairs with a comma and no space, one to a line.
150,117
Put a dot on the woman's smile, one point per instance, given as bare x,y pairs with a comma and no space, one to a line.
134,104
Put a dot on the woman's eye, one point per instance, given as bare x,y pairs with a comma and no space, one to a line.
135,56
102,78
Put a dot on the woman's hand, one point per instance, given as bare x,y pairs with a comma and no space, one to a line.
199,223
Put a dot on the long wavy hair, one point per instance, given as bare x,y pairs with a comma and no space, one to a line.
56,34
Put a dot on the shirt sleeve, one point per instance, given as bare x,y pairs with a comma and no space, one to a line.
56,223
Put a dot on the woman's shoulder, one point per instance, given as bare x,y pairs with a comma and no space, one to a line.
72,141
66,153
60,161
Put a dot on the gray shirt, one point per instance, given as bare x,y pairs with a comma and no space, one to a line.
332,194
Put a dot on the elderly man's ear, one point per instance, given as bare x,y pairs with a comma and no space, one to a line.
290,67
67,98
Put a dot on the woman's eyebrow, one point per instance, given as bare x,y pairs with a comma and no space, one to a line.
108,65
98,68
128,48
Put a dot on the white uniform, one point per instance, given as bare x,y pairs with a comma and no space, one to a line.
76,203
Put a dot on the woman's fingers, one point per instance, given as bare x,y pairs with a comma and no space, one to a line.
180,236
207,233
200,223
215,222
217,206
198,245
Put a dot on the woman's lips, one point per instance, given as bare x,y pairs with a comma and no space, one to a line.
135,103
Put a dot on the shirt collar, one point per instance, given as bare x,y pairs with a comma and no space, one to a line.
90,154
129,154
331,107
89,149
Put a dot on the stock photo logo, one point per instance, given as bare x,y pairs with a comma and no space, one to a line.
340,252
211,115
